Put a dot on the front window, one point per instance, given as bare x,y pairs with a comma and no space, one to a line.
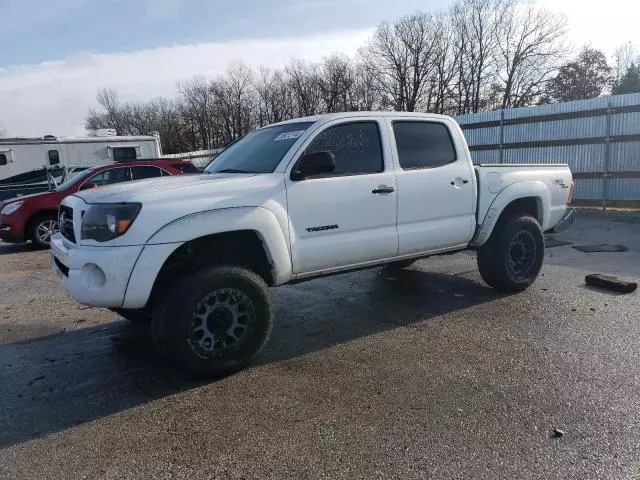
259,151
74,180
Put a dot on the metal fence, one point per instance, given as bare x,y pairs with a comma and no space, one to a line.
599,139
200,158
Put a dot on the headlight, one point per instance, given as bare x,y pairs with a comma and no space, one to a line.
10,208
108,221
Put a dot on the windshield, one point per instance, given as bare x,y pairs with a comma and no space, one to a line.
259,151
74,180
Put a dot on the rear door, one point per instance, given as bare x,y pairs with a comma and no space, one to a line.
347,217
436,191
145,171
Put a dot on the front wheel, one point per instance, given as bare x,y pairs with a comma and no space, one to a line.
42,229
216,321
511,259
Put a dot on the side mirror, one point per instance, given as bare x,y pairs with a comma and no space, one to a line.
88,185
315,163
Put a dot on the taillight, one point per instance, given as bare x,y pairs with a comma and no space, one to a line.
572,190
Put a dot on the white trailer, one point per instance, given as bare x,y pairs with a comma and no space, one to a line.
24,162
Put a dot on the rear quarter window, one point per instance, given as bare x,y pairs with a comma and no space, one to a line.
423,144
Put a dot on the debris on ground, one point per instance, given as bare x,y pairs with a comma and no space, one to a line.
603,247
41,377
558,432
610,283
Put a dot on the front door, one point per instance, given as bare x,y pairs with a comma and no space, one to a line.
347,217
436,191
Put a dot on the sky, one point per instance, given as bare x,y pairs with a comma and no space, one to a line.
56,54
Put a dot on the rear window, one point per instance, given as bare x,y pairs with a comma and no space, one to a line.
423,144
3,159
186,167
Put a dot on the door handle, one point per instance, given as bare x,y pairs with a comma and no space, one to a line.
383,189
464,181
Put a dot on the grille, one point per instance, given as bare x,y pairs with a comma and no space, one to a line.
65,223
64,269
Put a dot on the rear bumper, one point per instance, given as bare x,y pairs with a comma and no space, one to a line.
565,222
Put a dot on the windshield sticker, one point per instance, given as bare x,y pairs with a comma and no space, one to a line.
289,135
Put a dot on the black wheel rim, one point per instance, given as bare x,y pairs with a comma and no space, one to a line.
522,254
221,323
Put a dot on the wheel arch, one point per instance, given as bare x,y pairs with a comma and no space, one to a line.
35,216
531,198
250,237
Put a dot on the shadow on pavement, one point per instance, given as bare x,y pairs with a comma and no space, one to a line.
10,248
52,383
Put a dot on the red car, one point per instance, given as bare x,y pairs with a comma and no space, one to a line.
35,217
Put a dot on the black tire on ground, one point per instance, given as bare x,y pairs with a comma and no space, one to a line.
215,322
40,229
400,264
138,315
511,259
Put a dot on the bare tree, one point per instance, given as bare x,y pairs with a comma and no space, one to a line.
335,79
531,46
480,54
476,25
274,97
400,58
235,105
197,107
302,78
624,56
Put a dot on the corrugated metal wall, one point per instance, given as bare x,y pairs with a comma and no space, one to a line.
599,139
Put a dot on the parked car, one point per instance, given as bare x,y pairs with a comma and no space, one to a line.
35,217
291,202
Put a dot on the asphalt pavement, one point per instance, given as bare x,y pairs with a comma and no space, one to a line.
418,373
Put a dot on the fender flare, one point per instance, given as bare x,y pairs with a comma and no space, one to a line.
534,188
260,220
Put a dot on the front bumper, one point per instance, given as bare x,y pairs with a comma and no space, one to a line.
565,222
8,235
96,276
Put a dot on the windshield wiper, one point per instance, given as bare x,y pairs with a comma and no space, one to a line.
232,170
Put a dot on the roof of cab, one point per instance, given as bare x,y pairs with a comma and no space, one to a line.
337,116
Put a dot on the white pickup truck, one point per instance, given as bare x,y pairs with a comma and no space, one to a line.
314,196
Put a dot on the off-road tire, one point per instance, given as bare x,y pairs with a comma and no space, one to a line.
495,258
175,317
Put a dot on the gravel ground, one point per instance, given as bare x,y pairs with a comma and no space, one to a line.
420,373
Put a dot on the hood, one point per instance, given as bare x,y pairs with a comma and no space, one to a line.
23,197
158,189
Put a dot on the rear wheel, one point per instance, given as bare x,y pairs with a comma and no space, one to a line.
512,258
216,321
42,229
